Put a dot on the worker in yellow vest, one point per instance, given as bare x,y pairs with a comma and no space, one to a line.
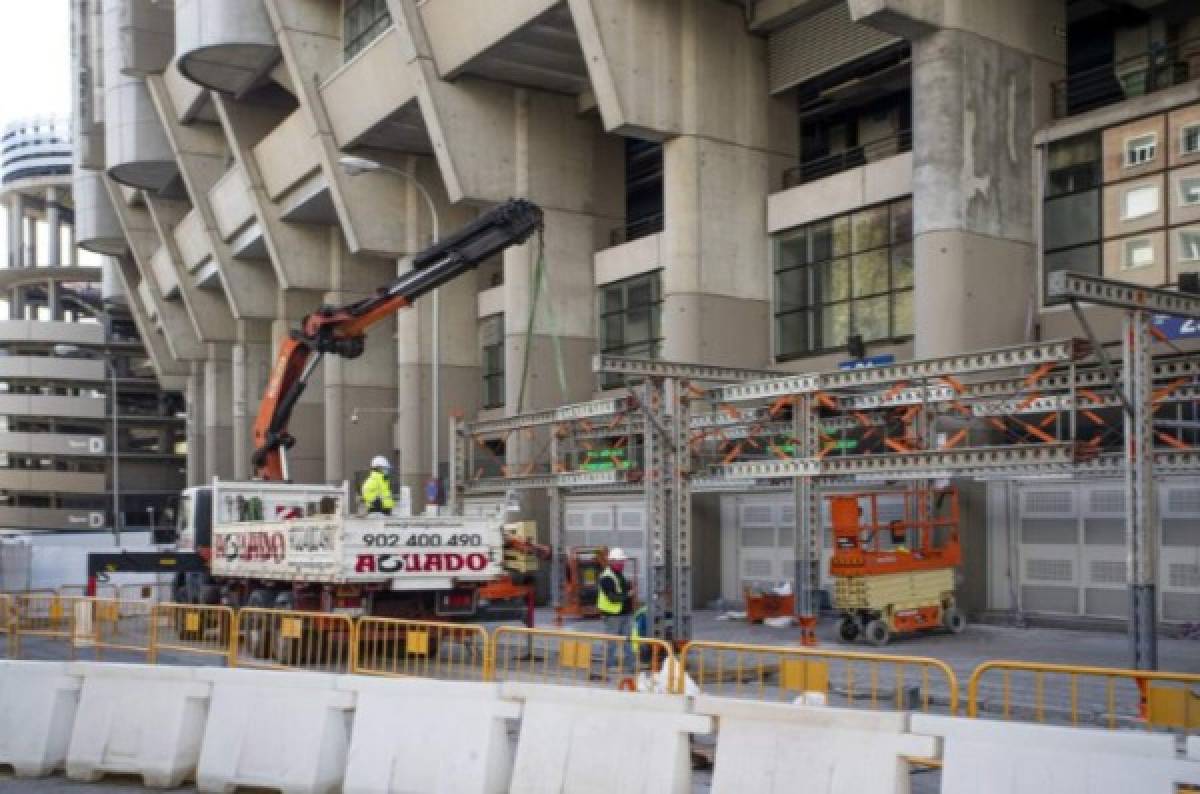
377,488
614,602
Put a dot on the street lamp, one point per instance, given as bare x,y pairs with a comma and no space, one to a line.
111,371
353,166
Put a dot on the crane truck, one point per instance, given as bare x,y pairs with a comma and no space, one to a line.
271,543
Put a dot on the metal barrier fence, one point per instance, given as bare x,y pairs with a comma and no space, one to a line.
426,649
45,615
283,639
1069,694
846,678
113,625
569,657
194,630
7,617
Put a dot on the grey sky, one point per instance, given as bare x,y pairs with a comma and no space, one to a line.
35,58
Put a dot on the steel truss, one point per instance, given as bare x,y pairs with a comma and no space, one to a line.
1047,409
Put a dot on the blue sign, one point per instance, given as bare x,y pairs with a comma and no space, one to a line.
870,361
1177,327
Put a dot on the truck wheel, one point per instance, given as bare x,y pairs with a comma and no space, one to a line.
849,628
877,633
954,620
258,636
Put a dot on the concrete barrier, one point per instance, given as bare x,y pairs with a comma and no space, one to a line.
136,719
422,735
280,730
994,757
775,747
38,702
580,740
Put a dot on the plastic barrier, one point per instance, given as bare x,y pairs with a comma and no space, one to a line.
280,639
420,735
428,649
38,701
771,746
846,678
568,657
1057,693
280,730
582,740
136,719
126,626
994,757
194,630
45,615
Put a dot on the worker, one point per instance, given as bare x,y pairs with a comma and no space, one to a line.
377,488
639,629
614,601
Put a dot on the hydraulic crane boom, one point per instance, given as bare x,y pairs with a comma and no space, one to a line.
342,330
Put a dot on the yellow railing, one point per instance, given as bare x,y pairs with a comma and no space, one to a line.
421,648
109,624
197,629
569,657
44,615
1068,693
845,678
7,623
286,639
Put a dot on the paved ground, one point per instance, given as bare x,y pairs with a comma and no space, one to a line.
962,653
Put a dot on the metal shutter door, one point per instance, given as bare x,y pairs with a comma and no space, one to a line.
1049,550
818,44
1179,555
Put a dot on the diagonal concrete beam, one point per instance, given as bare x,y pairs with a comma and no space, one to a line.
200,152
171,372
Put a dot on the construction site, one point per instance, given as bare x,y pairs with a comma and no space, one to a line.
578,395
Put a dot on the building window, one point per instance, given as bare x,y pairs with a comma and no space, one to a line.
852,274
491,357
1189,190
630,313
1139,253
1140,150
1189,139
362,22
1139,202
1189,245
1071,211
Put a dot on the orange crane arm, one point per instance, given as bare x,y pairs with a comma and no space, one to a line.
342,330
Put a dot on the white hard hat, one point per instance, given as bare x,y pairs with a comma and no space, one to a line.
380,462
616,554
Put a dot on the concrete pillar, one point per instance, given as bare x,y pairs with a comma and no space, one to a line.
31,241
252,359
53,249
195,424
16,251
218,412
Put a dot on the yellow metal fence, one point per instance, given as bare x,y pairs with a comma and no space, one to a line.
194,630
572,657
1079,695
283,639
425,649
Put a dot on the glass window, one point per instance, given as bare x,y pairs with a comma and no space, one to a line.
1189,190
1073,165
852,274
1139,253
491,359
1189,139
1140,150
1139,202
1189,245
630,320
362,22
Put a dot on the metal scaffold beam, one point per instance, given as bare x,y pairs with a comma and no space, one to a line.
1065,285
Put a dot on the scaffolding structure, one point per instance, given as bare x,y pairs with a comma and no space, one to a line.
1059,408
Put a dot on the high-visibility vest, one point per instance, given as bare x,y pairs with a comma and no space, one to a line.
377,487
606,605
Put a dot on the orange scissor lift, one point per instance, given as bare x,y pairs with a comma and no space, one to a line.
895,577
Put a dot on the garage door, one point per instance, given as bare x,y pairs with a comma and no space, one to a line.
621,523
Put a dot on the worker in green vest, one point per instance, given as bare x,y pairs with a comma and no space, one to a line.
614,602
377,488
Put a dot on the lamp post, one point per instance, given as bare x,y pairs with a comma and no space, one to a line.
111,371
353,166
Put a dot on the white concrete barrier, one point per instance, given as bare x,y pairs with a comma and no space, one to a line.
418,735
779,747
281,730
38,701
994,757
136,719
577,740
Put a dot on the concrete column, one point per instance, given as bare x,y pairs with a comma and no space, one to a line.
218,412
195,424
53,249
16,251
251,366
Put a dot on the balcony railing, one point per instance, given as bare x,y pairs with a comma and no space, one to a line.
1157,68
636,229
855,156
